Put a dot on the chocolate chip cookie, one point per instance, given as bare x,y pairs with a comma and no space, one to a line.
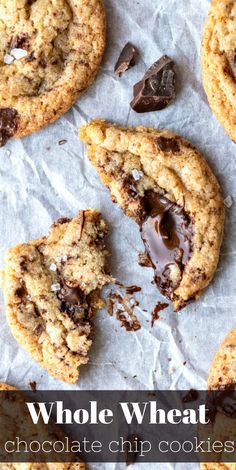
49,55
166,186
218,59
8,415
223,370
222,377
51,290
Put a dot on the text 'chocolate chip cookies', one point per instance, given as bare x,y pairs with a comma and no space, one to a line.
219,62
166,186
49,54
51,290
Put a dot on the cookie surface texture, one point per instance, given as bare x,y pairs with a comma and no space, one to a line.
51,290
49,54
218,59
158,174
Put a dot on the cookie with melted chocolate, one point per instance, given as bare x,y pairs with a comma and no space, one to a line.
51,290
166,186
218,59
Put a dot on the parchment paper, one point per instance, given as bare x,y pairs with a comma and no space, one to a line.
41,181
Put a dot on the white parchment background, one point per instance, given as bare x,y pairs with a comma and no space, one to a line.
41,181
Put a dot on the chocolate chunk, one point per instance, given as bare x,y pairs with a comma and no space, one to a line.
191,395
8,124
157,88
126,59
38,329
74,302
167,144
167,234
62,220
20,41
20,292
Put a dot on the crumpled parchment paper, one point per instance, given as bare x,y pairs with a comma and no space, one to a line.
41,181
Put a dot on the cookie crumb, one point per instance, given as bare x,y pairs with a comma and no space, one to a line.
33,385
123,307
126,59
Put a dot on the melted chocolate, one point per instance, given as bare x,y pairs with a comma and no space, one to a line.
133,289
167,235
75,303
155,314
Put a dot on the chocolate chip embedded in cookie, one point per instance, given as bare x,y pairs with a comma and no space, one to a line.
8,124
51,290
218,59
45,69
166,186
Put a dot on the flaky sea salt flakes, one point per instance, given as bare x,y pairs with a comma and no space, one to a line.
8,59
18,53
228,202
53,267
61,259
137,174
55,287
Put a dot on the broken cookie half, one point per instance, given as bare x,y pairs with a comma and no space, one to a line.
51,290
166,186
